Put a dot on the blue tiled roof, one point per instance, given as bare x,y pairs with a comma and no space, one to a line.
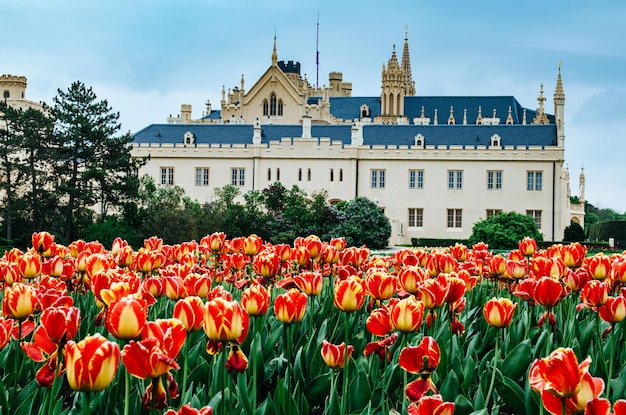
348,108
226,134
468,135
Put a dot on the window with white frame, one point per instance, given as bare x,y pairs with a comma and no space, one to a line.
536,215
494,179
416,179
202,176
167,176
416,217
455,218
492,212
238,177
455,179
378,179
534,180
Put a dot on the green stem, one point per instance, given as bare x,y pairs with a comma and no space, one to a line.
185,366
126,392
86,403
287,330
154,395
563,406
17,357
346,378
50,402
383,392
224,381
611,357
493,374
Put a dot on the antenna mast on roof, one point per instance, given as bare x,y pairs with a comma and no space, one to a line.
317,53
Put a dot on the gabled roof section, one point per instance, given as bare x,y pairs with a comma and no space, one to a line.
348,108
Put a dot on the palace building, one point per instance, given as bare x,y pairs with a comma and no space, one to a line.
435,164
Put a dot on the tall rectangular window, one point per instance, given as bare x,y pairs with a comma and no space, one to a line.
202,176
238,177
534,180
277,174
269,174
332,175
455,179
308,175
416,217
491,212
455,218
494,179
416,179
167,176
536,215
378,179
299,175
341,175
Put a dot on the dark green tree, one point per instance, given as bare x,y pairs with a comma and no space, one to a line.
93,166
504,230
574,233
361,222
26,157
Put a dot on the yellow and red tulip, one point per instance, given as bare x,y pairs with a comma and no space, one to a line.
224,320
125,318
290,307
19,302
91,364
407,314
334,355
498,312
349,294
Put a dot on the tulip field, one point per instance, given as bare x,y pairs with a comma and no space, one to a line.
240,326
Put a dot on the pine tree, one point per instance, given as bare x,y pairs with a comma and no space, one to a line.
93,165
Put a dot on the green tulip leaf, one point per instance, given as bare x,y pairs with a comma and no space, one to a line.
462,406
450,388
516,363
511,393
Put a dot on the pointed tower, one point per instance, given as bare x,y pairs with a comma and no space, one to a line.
392,97
409,84
540,116
559,109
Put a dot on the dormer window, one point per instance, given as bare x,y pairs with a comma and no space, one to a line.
189,138
419,141
365,111
495,141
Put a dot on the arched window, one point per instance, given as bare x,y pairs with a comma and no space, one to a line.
280,107
390,109
273,104
265,108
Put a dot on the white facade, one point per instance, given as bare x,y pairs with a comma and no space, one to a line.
435,174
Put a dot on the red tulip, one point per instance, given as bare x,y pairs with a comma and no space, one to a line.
256,300
224,320
407,315
599,266
516,269
380,284
379,322
126,318
290,307
614,310
431,405
188,410
42,242
459,252
433,292
6,326
498,312
334,355
19,302
573,254
559,373
267,265
349,294
310,283
595,293
420,360
409,278
29,265
251,245
91,364
548,292
527,246
190,311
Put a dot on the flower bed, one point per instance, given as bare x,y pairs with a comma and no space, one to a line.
243,327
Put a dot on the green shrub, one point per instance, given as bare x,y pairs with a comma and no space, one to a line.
504,230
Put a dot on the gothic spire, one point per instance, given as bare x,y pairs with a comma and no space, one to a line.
274,54
409,85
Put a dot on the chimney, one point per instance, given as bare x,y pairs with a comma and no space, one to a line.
306,126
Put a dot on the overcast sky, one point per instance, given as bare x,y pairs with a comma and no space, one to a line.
147,57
